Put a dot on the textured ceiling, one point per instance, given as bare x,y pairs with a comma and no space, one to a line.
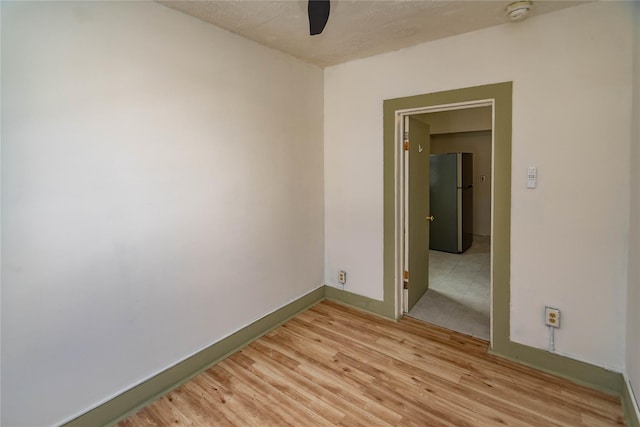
356,29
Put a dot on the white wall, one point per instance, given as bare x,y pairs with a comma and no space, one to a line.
571,118
633,291
162,187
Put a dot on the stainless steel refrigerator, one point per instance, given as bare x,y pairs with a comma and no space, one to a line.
451,202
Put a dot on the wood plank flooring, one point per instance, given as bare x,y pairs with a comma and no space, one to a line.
333,365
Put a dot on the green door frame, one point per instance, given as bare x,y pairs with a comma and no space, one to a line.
501,96
394,109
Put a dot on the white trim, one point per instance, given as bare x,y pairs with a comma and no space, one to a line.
446,107
400,176
459,199
493,209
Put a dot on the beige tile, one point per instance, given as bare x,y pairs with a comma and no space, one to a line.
459,290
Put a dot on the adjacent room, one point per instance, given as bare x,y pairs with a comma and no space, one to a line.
459,294
208,188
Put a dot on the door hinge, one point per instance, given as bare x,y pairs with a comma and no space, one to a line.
406,275
406,146
405,137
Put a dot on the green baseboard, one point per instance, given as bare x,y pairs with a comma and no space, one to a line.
141,395
579,372
629,403
370,305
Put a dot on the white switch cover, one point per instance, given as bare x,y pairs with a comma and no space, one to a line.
532,177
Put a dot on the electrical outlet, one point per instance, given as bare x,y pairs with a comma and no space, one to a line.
552,317
342,277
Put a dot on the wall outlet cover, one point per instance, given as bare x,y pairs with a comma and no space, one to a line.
552,317
342,277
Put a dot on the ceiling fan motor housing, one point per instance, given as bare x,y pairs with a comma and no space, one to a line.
318,15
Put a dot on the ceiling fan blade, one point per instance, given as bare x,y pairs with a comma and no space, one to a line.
318,15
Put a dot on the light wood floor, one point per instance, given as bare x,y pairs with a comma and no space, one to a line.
333,365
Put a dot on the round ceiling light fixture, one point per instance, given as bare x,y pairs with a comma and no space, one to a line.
519,10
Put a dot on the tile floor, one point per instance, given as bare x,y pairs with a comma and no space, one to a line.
459,290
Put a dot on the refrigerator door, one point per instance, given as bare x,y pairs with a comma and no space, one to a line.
451,202
443,200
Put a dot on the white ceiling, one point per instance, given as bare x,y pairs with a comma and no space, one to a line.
356,28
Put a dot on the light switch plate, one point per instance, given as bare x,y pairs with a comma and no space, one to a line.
532,177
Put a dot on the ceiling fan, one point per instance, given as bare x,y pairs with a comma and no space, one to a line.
318,15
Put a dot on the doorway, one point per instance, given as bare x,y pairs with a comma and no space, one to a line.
459,283
499,96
